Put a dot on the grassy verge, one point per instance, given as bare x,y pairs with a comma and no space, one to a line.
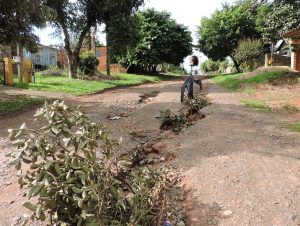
12,105
257,105
234,82
80,87
294,127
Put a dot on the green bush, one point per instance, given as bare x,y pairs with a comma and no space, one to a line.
210,66
88,63
249,54
77,178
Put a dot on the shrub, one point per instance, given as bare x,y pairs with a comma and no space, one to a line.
88,63
210,66
172,121
78,179
249,54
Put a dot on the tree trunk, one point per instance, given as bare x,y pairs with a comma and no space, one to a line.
107,54
236,65
73,64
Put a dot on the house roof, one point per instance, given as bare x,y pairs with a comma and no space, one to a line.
293,33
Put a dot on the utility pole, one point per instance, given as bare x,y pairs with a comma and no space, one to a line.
19,64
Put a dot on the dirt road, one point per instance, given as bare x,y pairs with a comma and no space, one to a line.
241,167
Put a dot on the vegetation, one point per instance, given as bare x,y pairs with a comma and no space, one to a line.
278,17
234,82
219,34
81,87
88,63
11,105
210,66
295,127
77,177
160,36
249,54
18,19
258,105
173,121
75,20
121,27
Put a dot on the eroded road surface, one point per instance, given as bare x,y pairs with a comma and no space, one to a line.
241,167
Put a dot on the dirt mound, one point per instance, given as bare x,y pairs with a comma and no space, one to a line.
291,78
268,69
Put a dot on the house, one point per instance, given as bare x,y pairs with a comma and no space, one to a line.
281,55
100,53
294,41
44,57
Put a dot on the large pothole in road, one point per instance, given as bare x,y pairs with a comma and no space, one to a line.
147,97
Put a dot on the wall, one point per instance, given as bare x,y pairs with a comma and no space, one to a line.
278,60
44,57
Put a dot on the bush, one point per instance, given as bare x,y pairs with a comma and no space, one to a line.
88,63
249,54
78,179
210,66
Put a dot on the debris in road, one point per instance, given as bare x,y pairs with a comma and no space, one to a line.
116,118
227,213
147,97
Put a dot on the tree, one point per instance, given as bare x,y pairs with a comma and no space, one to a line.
249,54
219,35
162,40
277,18
121,26
74,20
17,20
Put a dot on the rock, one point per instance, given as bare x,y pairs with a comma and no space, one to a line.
227,213
293,217
162,159
158,147
181,223
143,162
181,197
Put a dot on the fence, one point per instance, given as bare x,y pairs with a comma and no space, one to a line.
278,60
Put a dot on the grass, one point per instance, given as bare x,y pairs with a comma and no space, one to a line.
257,105
81,87
11,105
234,82
295,127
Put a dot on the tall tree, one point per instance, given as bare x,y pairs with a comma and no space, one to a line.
162,40
219,34
278,17
119,18
18,19
74,20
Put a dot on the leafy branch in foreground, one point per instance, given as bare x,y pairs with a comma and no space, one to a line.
78,179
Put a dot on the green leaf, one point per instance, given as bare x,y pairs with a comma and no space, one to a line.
76,190
34,191
30,206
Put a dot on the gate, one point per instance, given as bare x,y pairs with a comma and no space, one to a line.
2,72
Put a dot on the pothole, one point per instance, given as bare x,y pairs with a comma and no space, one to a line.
147,97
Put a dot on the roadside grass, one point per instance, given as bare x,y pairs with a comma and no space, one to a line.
234,82
81,87
295,127
12,105
257,105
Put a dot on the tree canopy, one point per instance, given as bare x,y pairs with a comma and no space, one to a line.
277,18
162,40
219,34
17,21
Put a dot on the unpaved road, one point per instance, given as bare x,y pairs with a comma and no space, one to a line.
241,167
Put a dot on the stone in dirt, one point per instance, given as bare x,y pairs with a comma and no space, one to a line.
158,147
227,213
